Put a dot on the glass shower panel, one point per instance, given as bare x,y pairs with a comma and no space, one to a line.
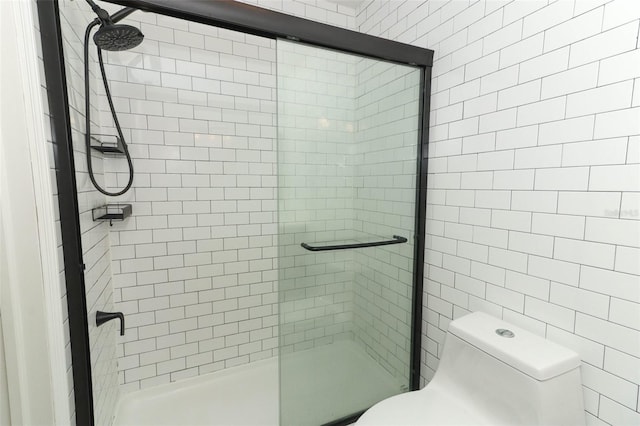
347,161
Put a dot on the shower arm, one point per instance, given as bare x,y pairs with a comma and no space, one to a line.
103,15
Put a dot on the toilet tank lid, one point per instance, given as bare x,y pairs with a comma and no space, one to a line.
531,354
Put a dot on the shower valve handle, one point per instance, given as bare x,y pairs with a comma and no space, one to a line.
102,317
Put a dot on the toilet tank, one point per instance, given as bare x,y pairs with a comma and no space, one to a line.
509,374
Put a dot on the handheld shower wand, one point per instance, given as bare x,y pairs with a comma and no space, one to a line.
114,37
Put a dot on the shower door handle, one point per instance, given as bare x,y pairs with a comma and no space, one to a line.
396,240
102,317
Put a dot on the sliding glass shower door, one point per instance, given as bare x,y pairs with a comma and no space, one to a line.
347,158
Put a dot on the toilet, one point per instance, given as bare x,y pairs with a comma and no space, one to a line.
491,373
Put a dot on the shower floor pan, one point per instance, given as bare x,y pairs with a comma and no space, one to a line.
248,395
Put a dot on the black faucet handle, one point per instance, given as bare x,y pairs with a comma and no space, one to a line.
102,317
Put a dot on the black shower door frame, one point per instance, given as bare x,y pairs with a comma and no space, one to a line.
244,18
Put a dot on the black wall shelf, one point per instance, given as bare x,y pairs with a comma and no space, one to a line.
111,212
107,144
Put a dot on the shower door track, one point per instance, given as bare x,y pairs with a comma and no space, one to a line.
244,18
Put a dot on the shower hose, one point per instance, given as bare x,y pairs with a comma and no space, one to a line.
113,114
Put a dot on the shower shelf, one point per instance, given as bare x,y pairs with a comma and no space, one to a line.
107,144
315,247
111,212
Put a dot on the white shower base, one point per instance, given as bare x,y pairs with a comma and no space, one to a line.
248,395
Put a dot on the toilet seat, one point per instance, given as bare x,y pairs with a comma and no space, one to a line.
427,407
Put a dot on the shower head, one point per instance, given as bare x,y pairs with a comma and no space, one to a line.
114,36
117,37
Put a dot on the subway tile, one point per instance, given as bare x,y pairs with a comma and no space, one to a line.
584,252
569,130
527,285
463,128
619,13
589,351
504,297
588,203
519,95
627,260
612,386
540,245
485,65
513,179
549,313
522,50
486,25
512,220
580,300
517,138
625,313
504,37
613,231
481,105
499,80
555,270
620,67
478,143
604,45
498,120
535,201
602,99
617,123
567,179
622,365
576,29
615,178
538,157
547,17
543,65
541,112
600,152
509,260
629,207
570,81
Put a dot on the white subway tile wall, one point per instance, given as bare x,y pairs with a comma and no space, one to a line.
75,17
346,166
194,266
385,158
533,202
316,99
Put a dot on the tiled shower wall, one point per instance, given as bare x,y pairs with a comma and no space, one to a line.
194,267
534,179
95,240
316,99
385,152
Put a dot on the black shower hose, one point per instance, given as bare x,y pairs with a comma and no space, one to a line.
88,116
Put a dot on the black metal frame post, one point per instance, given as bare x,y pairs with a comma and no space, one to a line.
56,81
239,17
420,227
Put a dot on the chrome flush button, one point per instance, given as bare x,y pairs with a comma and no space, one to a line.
503,332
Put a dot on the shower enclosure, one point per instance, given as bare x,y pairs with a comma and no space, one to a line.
347,150
278,207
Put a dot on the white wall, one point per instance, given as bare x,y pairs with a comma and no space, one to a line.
533,201
5,415
316,101
385,162
193,267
